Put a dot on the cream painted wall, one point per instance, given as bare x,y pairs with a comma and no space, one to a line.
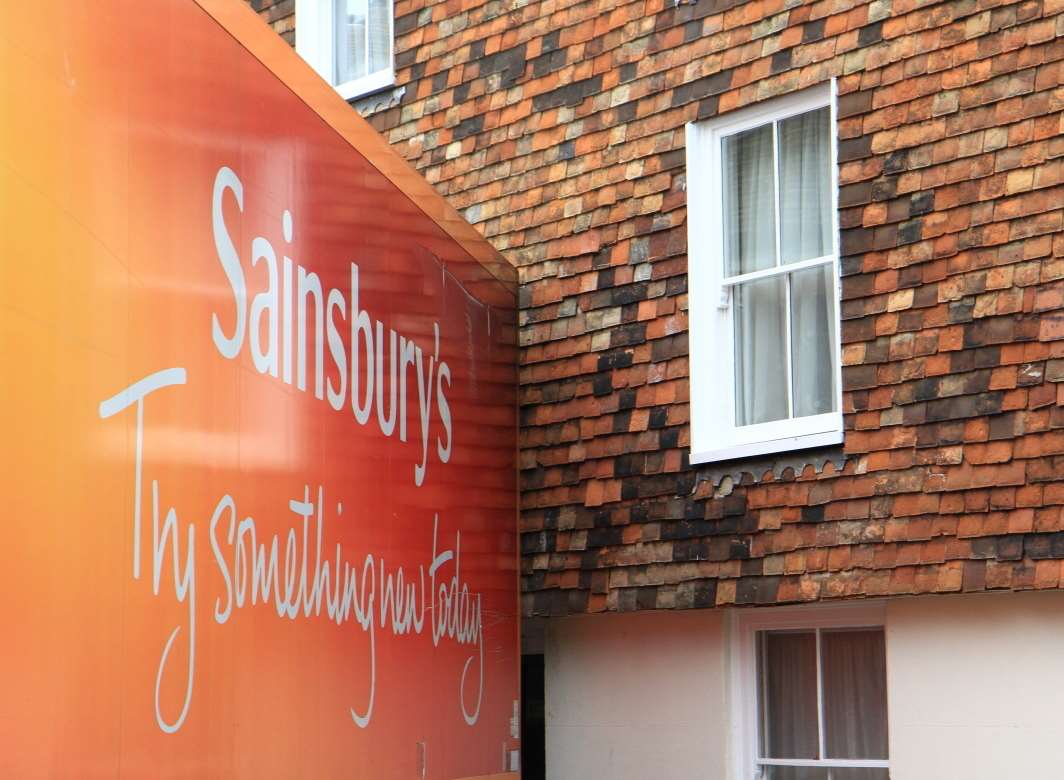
976,686
636,696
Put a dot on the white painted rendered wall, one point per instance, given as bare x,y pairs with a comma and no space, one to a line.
976,686
975,691
636,696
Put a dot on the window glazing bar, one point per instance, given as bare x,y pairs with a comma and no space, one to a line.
837,763
753,276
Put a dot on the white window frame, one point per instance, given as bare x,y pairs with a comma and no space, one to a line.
745,625
315,43
714,434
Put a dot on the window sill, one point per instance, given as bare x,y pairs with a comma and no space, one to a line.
751,449
367,85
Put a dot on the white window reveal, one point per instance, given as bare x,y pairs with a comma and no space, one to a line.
763,279
813,695
349,43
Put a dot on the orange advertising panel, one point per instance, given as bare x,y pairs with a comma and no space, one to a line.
259,420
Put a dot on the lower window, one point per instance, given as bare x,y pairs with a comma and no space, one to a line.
815,697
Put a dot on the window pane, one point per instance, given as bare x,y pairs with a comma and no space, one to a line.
760,351
805,186
813,340
379,35
749,195
787,684
795,773
860,774
816,773
350,29
855,693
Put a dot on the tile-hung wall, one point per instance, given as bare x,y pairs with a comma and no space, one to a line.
280,15
561,129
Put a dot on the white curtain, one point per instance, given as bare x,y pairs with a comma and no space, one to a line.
379,33
749,198
805,186
805,228
750,245
762,333
760,357
812,340
349,27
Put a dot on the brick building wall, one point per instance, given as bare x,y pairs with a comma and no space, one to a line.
558,128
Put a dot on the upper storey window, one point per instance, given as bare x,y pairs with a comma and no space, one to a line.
763,270
349,42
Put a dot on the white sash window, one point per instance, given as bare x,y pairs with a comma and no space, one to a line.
349,43
763,272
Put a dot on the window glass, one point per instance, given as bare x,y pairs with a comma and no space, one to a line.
760,351
349,26
821,773
379,33
362,33
805,186
795,773
812,334
839,713
749,194
784,325
788,694
854,671
763,276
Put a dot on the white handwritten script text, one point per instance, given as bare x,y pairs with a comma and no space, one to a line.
297,577
294,570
